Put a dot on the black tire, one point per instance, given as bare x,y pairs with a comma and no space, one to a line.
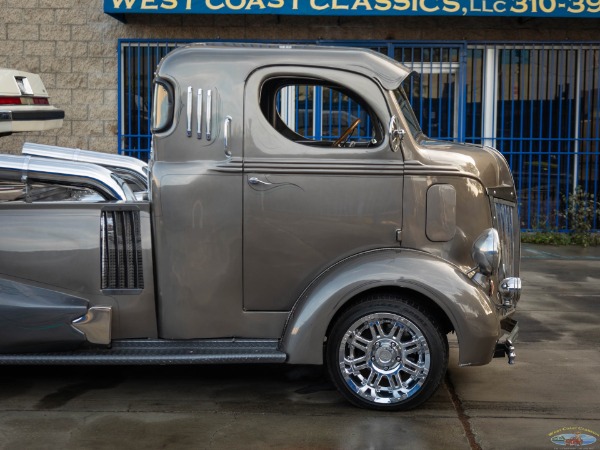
387,353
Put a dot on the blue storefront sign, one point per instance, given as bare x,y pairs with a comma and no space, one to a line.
490,8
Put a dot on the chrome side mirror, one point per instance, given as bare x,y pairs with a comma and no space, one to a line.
396,134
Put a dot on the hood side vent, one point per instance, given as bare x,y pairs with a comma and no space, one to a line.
121,251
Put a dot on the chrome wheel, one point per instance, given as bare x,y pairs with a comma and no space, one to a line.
387,353
384,358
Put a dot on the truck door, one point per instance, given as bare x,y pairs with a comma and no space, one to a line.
320,182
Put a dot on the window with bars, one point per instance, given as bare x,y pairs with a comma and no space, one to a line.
137,62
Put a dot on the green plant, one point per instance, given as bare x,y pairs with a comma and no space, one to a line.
546,237
580,210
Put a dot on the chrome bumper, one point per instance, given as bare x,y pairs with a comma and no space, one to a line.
505,346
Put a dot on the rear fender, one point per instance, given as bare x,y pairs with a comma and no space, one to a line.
470,311
37,319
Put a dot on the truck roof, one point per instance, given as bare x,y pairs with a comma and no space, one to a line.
248,57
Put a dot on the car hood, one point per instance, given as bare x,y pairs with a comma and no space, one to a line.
484,163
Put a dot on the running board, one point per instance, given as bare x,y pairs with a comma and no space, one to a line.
159,351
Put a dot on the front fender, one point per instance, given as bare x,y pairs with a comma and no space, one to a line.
470,311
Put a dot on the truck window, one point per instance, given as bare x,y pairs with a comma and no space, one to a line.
162,108
404,105
319,113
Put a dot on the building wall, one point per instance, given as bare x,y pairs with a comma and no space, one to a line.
73,45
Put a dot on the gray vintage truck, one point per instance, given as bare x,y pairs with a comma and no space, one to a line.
292,212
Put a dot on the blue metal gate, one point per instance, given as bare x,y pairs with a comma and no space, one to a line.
539,104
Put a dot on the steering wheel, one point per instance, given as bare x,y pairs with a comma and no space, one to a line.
346,134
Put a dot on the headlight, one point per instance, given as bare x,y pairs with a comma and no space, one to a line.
486,252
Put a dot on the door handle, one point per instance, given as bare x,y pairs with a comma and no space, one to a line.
255,181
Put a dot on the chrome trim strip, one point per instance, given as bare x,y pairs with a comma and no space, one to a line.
367,167
354,167
199,115
226,131
324,170
231,165
190,101
209,115
348,166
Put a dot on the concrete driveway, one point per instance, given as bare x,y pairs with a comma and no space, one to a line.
556,381
552,391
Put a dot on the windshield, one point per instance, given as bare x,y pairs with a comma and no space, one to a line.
404,106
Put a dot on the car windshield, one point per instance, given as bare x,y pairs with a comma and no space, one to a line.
404,106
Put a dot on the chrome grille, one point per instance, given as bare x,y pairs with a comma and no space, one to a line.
121,250
508,231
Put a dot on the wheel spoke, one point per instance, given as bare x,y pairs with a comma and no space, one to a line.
410,367
373,332
380,331
370,378
357,364
360,366
362,340
377,382
411,347
394,330
355,360
359,346
397,380
394,382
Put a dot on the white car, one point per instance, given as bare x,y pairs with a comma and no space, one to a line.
24,104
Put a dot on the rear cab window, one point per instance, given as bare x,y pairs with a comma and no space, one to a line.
162,108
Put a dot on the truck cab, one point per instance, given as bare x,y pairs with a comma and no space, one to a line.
295,212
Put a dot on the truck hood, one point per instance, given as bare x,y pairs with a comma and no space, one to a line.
484,163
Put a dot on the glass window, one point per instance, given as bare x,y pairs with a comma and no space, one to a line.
407,111
317,113
162,108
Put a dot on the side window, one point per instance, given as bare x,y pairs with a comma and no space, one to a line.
319,113
162,108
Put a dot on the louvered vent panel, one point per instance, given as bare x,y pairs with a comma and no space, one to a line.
121,243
